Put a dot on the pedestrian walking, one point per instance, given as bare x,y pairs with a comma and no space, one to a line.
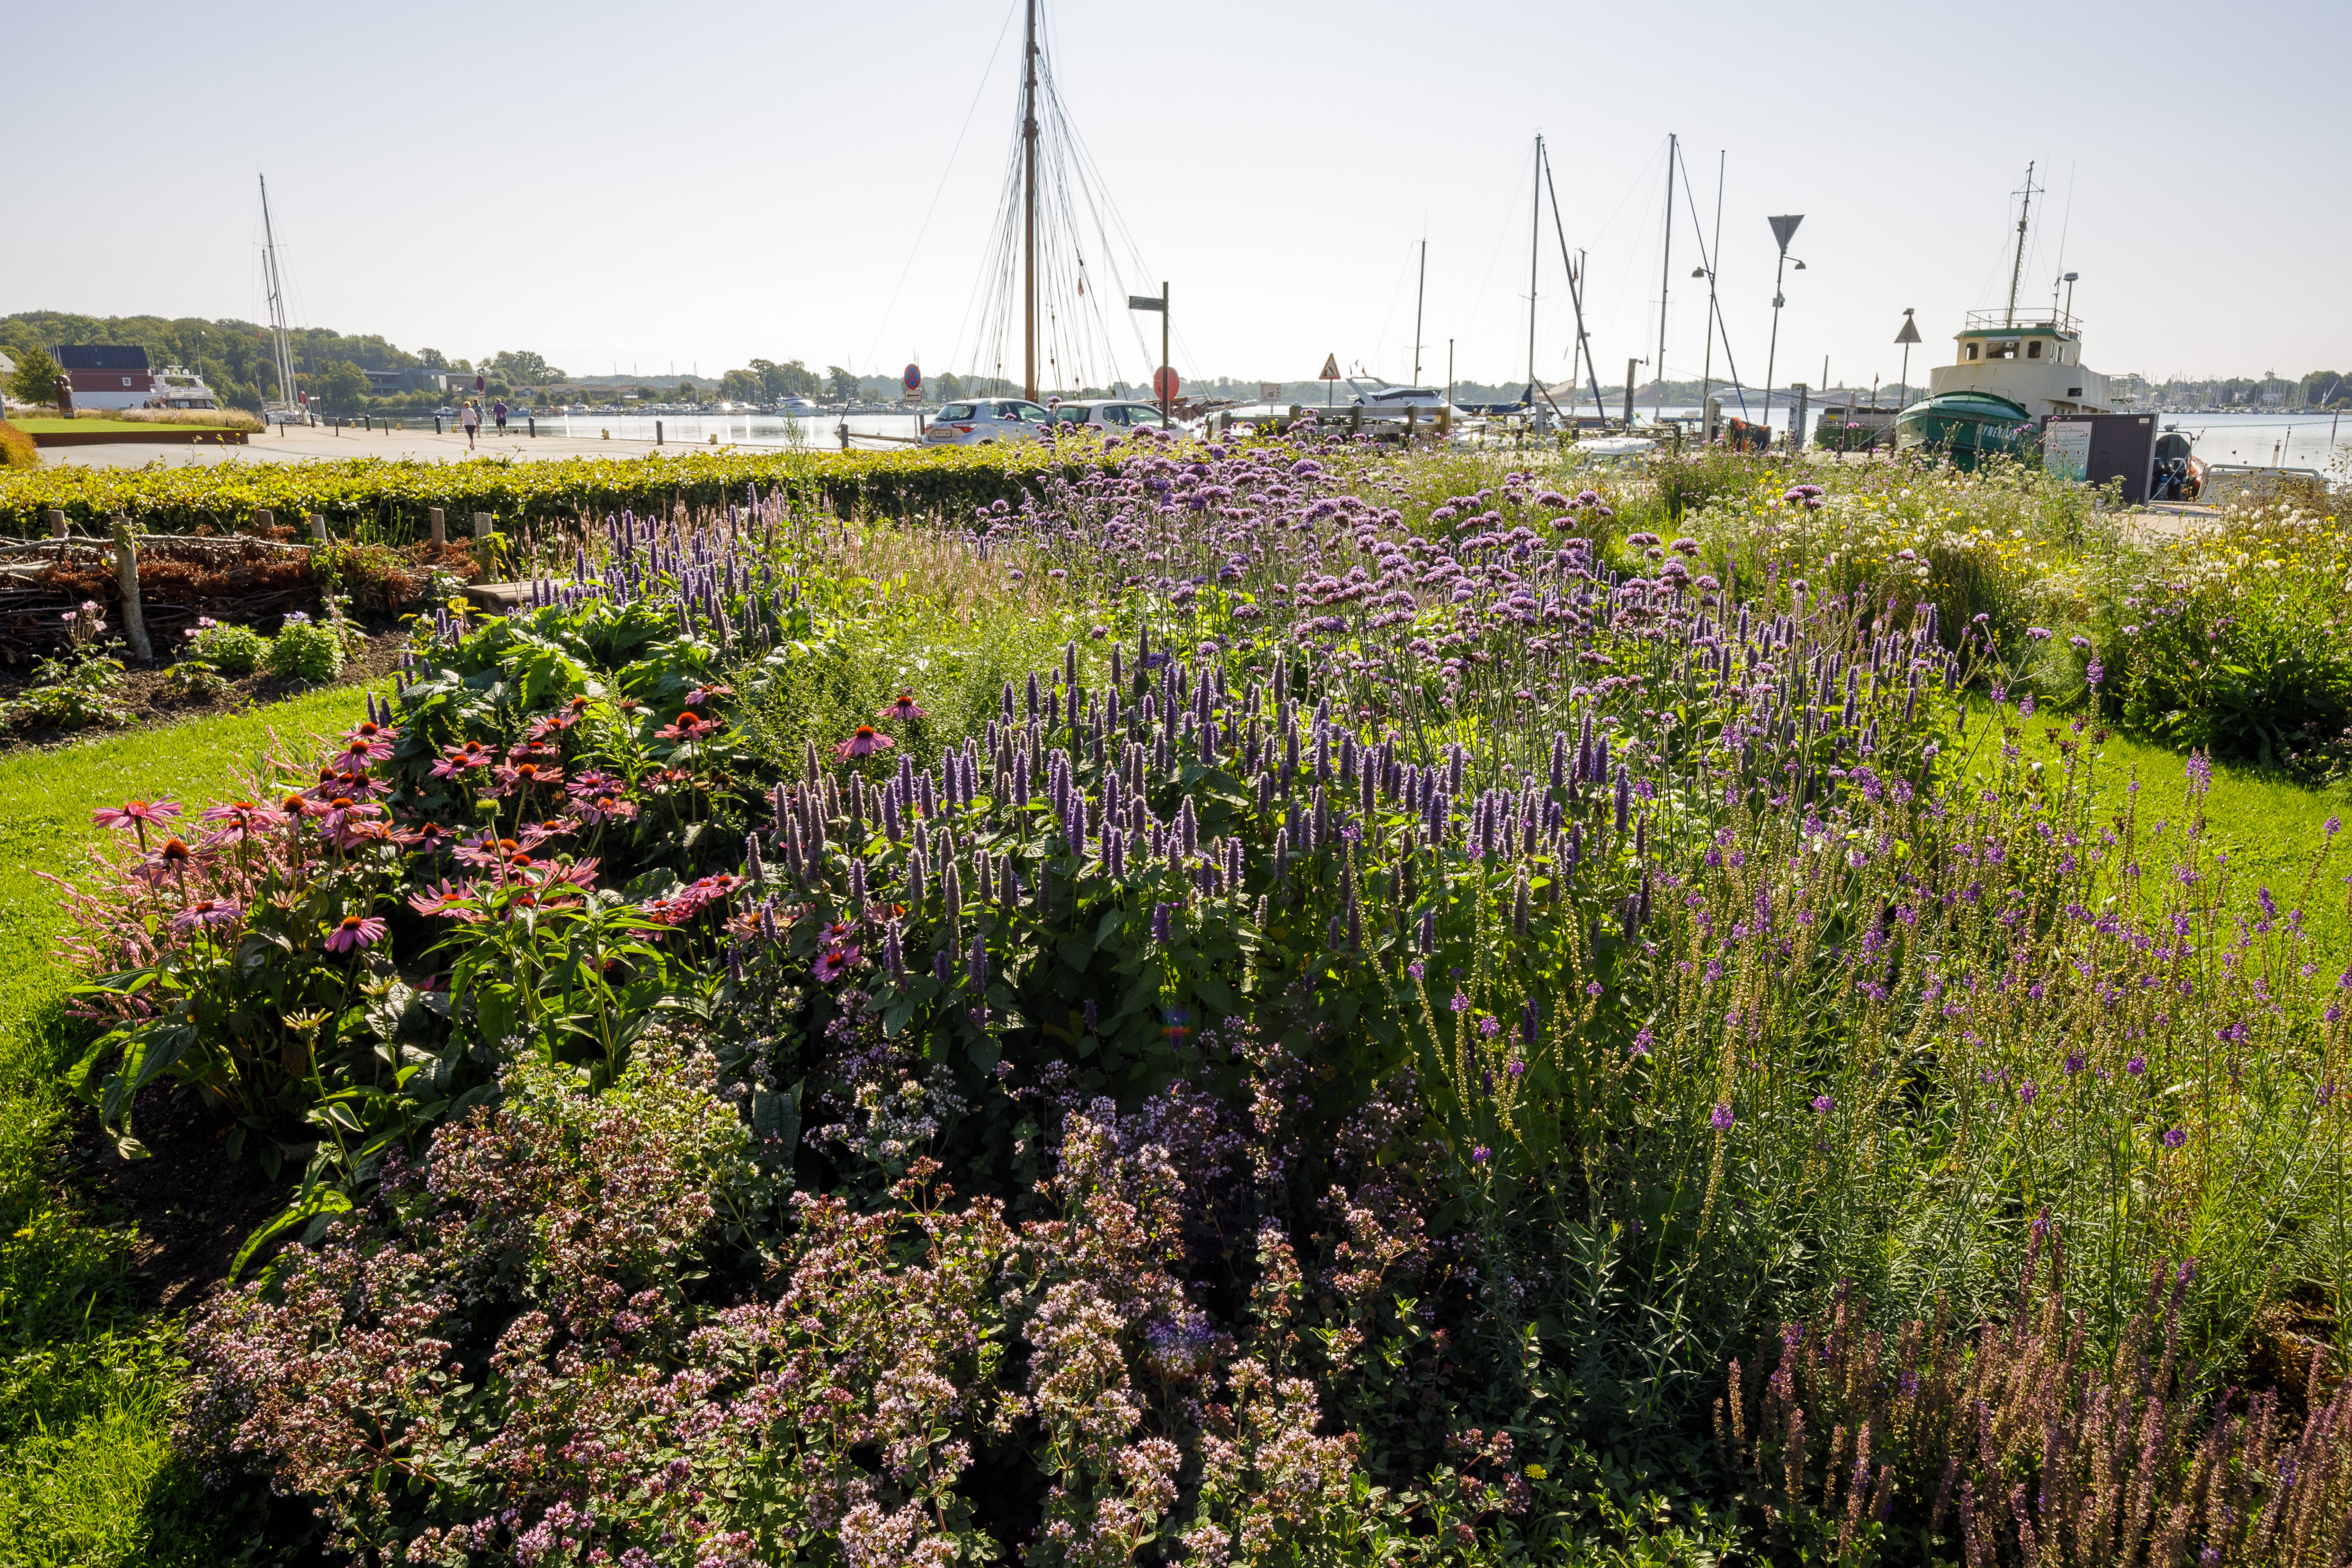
470,416
499,412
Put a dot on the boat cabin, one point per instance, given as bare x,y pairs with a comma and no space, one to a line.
2035,364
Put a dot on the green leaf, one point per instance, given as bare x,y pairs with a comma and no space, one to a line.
319,1201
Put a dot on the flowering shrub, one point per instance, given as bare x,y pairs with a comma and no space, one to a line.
305,650
1333,1064
235,651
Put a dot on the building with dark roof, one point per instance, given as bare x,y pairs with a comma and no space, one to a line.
107,376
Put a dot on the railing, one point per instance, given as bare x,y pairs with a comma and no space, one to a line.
2021,318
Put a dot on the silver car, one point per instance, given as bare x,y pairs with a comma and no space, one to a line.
1108,416
985,419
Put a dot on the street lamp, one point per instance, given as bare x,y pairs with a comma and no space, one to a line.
1783,230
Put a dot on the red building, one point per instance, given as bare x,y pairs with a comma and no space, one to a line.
107,376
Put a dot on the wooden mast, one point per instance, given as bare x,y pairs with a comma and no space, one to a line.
2017,272
1665,272
1535,238
1029,206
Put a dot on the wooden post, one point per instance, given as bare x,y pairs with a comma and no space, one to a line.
482,521
318,527
264,519
482,544
1355,419
440,526
56,523
126,567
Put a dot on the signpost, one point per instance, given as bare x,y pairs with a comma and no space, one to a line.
1906,337
1167,392
913,381
1332,374
1269,391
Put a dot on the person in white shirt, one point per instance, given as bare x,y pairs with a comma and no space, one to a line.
471,418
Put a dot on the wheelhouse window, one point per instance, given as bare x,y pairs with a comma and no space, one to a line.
1972,351
2033,349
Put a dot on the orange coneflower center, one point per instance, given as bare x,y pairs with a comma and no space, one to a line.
865,731
174,851
351,922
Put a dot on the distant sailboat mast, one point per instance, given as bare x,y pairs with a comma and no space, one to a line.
283,353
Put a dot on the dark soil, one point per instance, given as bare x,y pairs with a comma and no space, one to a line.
192,1207
146,691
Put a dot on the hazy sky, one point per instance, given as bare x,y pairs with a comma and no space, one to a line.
649,186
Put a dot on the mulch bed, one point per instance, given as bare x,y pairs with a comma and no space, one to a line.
146,691
192,1207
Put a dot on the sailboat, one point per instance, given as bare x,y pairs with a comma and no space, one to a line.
287,408
2014,368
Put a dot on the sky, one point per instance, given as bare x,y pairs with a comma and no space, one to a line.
642,188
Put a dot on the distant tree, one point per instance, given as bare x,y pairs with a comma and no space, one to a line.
650,394
430,358
339,385
520,365
843,384
945,387
742,387
686,392
35,380
790,379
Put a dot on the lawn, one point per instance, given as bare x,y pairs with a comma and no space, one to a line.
110,427
85,1386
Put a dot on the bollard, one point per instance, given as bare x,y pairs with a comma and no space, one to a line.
533,421
440,526
845,435
126,567
436,425
56,523
657,432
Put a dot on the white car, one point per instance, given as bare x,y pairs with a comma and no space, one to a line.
1110,416
985,419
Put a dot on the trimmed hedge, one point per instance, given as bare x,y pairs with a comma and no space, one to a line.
391,499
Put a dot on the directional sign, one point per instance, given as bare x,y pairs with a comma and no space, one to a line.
1146,301
1331,368
1784,229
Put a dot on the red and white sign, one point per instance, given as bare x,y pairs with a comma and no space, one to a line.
1164,384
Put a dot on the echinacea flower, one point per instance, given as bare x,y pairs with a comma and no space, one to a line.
867,740
462,759
902,707
204,914
833,964
445,899
526,776
135,815
354,933
687,727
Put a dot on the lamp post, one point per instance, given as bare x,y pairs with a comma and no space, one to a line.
1783,229
1906,337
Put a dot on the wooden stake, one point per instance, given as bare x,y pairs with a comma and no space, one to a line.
126,566
440,526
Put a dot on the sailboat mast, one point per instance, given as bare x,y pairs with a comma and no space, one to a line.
1029,206
1575,271
1713,260
1666,273
1535,237
2017,272
284,358
1420,292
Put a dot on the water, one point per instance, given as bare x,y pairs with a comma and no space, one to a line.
866,431
2259,440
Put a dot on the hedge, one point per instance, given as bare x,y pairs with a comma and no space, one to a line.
389,500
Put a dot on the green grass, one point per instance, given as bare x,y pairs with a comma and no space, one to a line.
106,426
86,1388
2270,828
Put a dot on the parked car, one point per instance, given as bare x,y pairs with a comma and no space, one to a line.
986,419
1111,415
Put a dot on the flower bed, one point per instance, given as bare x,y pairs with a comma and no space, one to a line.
1343,1062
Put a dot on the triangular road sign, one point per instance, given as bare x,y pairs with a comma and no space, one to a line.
1784,229
1910,332
1331,368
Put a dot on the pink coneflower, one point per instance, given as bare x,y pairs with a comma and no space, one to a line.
204,914
135,815
526,776
456,902
902,707
606,808
867,740
354,933
687,727
341,814
702,694
240,820
463,759
486,851
833,964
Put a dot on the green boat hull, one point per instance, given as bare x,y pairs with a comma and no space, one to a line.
1968,426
